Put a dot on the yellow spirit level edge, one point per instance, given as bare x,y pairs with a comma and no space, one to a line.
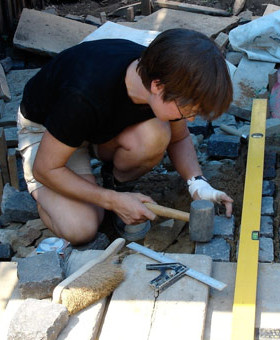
244,304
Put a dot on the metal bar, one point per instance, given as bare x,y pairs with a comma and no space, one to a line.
210,281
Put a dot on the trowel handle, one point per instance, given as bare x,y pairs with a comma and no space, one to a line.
168,212
231,130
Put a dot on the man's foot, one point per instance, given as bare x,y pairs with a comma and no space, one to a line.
128,232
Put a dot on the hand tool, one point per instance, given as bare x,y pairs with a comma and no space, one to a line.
244,303
190,272
201,219
233,131
165,279
93,281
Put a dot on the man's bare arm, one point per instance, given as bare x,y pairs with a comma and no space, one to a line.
49,169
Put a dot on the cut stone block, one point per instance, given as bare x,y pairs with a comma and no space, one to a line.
38,275
11,137
135,313
240,112
4,88
268,188
222,40
226,119
267,206
168,18
224,227
218,249
266,226
269,171
223,146
159,238
64,33
272,127
199,127
75,17
18,206
6,252
219,313
266,251
38,320
93,20
7,64
234,57
250,81
245,17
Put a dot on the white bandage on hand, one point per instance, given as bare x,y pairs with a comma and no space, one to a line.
204,190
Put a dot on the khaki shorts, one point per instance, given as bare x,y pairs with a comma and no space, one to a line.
29,138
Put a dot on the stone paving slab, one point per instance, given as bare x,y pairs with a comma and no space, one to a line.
218,249
8,280
249,81
168,18
219,312
48,34
178,312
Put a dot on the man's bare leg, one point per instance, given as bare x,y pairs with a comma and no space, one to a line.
72,220
137,149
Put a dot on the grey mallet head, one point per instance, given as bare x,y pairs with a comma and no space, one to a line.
201,220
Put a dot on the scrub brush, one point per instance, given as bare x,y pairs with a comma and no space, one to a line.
93,281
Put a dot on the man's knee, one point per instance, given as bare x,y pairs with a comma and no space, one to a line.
84,234
150,139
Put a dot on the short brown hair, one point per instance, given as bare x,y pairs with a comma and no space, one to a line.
192,69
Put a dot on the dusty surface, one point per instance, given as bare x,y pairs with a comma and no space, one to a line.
85,7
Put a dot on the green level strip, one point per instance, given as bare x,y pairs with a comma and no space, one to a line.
244,304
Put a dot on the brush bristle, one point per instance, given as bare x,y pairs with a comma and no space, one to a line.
97,283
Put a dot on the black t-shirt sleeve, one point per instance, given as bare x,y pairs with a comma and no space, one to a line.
70,119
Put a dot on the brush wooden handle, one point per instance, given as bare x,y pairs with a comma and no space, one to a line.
113,249
162,211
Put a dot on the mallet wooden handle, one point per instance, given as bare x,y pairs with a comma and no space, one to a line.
168,212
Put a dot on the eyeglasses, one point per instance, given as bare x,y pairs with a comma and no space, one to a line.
193,113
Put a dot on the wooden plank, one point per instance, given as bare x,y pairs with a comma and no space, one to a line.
191,8
146,8
8,281
9,13
123,10
244,304
1,18
178,313
1,187
3,157
12,164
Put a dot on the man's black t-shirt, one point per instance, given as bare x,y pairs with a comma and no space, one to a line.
80,95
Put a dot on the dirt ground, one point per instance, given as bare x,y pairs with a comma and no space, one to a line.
85,7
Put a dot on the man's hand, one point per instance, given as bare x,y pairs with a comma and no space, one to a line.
201,189
130,208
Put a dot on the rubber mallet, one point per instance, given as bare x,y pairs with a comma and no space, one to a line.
200,218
